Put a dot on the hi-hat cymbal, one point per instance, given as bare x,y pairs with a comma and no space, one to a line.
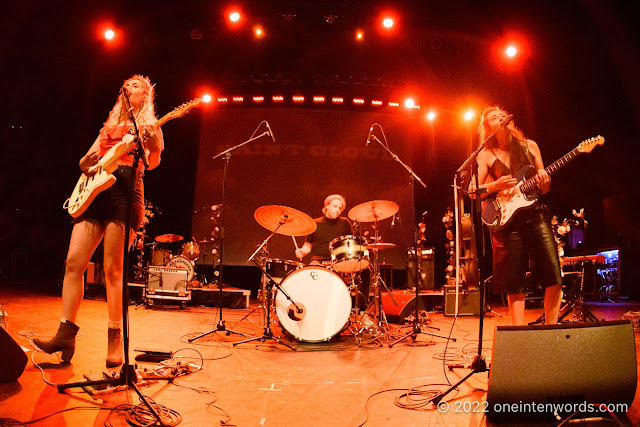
375,210
381,245
168,238
294,222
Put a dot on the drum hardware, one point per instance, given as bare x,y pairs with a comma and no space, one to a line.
376,211
289,222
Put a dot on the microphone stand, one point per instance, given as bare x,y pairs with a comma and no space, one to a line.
416,329
128,374
227,156
479,364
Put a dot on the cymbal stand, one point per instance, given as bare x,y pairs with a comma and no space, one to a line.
227,156
296,309
262,295
380,329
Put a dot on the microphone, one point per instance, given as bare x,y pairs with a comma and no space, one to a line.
296,312
270,132
369,136
507,120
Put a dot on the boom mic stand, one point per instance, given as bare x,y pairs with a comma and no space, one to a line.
128,374
479,364
416,329
227,156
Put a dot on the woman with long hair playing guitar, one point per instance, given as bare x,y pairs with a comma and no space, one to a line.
104,217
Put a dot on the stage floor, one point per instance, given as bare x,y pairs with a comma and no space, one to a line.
258,383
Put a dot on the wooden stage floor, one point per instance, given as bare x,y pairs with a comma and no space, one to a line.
257,383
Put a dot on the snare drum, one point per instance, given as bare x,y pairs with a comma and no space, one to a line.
325,301
349,254
184,263
279,268
160,257
190,250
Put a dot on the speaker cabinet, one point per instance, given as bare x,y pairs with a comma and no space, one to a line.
579,363
426,259
406,302
468,301
12,358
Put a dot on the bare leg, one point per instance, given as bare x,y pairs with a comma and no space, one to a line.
552,300
85,238
516,308
113,264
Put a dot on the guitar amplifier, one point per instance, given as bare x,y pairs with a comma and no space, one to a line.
468,301
168,281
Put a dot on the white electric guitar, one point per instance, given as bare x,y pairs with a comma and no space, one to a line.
89,186
499,209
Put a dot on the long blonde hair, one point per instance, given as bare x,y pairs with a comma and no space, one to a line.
145,114
483,127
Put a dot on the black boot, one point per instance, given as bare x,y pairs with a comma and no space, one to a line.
64,341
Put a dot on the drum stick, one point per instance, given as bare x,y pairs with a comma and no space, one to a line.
294,242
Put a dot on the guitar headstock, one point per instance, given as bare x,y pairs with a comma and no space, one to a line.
180,111
589,144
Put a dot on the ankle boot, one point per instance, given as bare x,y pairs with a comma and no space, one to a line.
64,341
114,348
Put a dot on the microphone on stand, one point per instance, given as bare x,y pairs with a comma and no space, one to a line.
270,132
369,136
393,221
507,120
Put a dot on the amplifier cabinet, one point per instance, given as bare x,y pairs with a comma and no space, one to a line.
167,283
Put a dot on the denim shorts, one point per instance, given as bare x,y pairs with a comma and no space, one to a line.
110,205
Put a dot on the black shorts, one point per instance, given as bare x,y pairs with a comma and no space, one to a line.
526,242
111,205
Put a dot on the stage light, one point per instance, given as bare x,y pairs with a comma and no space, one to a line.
358,101
238,99
409,103
387,22
337,100
234,16
468,115
318,99
223,99
257,32
298,98
109,34
206,98
394,104
376,102
511,51
258,98
359,35
277,98
431,116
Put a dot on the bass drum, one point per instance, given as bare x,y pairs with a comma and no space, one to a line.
325,301
160,257
183,263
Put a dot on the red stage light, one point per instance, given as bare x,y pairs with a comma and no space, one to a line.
258,98
206,98
359,35
277,98
234,17
109,34
376,102
223,99
318,99
258,32
298,98
238,99
511,51
358,101
431,115
337,100
469,115
409,103
387,22
394,104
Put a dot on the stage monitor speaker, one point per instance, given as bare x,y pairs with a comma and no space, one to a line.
12,359
468,301
577,363
426,269
406,301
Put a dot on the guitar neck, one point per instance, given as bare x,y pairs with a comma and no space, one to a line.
531,183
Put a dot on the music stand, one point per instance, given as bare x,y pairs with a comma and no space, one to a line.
227,156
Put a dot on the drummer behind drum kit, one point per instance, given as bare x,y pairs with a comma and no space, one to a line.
315,303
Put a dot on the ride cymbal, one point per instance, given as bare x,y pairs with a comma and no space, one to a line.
376,210
287,221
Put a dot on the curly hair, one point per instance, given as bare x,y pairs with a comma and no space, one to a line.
145,114
483,127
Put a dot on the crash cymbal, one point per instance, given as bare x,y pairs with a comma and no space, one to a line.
205,241
168,238
381,245
375,210
294,222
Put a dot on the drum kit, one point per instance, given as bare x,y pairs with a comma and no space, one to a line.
185,259
314,303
